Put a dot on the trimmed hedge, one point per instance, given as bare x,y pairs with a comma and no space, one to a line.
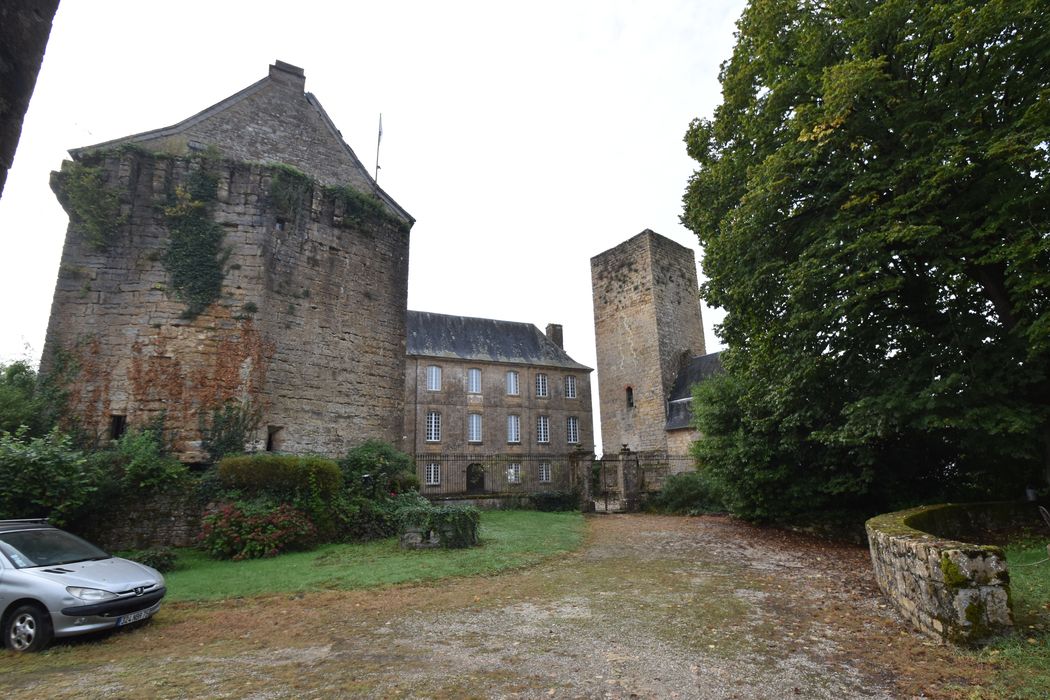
281,475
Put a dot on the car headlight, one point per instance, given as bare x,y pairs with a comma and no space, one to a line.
93,594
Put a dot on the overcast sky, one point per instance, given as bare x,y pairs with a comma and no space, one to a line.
524,138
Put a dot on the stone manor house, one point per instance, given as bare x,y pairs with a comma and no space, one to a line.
242,264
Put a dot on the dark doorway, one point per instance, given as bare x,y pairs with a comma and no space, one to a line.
475,478
118,425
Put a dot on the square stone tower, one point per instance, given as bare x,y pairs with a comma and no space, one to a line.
647,327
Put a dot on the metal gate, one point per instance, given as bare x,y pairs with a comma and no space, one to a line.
611,480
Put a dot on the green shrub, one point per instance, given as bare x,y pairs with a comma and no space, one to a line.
163,559
554,501
21,403
145,468
246,531
370,519
689,493
43,477
455,526
226,430
375,469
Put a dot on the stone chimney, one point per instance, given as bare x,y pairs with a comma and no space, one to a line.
287,74
554,334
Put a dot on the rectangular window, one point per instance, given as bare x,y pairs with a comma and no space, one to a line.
512,383
433,474
433,426
433,378
541,386
570,387
513,473
545,472
513,429
474,427
473,380
543,429
572,429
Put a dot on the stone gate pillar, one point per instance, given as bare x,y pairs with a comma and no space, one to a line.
580,463
629,480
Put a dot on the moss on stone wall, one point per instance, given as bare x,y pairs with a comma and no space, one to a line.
953,576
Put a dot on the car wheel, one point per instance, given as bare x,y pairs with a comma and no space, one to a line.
27,628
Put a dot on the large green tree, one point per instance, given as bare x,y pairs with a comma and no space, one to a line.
872,198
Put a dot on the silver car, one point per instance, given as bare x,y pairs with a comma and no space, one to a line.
54,584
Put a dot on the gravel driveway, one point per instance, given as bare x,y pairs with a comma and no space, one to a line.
650,607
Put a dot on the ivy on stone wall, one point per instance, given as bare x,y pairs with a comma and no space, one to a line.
361,208
195,256
288,191
93,207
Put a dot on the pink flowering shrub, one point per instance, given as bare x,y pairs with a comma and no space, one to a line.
242,531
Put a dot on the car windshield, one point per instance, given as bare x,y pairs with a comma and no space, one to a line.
27,548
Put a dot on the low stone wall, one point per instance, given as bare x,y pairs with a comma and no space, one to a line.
164,520
950,589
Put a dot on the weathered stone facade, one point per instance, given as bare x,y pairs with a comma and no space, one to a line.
949,589
308,329
456,345
647,328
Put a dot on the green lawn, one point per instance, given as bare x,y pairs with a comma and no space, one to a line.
509,539
1023,660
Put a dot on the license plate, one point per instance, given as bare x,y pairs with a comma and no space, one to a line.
138,616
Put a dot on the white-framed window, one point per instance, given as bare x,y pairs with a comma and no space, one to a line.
433,378
570,387
473,380
545,472
543,429
514,473
513,428
432,474
541,386
473,427
433,426
512,383
572,430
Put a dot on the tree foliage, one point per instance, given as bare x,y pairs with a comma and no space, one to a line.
872,198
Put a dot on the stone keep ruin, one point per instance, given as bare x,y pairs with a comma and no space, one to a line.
239,272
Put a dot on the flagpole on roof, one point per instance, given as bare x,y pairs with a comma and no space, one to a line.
379,141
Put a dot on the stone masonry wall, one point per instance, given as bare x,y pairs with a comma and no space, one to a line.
164,520
951,590
309,328
647,323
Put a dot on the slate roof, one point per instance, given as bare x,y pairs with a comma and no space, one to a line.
679,406
484,340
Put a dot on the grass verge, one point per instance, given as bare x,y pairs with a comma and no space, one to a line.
509,539
1022,660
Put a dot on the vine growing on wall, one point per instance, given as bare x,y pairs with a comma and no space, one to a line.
93,207
195,256
288,191
361,208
